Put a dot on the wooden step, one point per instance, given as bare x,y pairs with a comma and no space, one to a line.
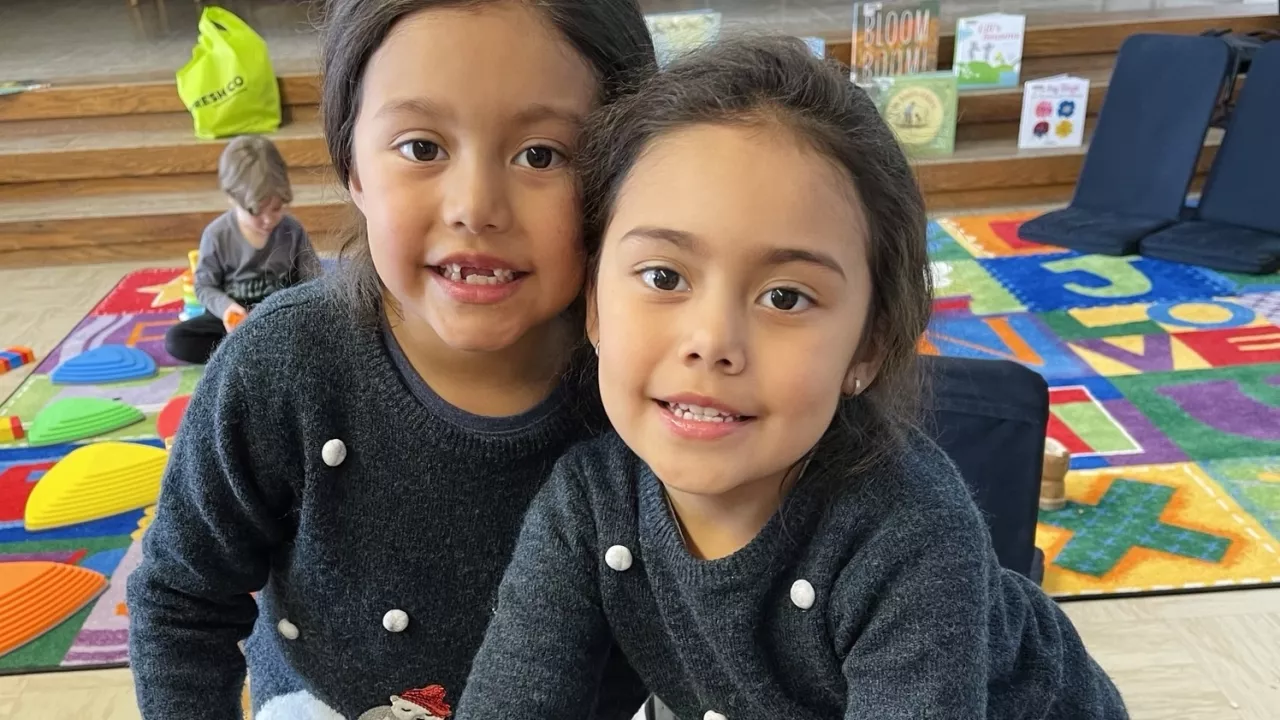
86,149
146,219
1004,105
1054,35
158,214
162,144
1091,38
98,171
131,97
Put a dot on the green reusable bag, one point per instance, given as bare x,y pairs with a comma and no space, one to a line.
228,85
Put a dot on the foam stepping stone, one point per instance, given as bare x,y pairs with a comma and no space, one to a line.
105,364
95,482
171,417
11,428
36,597
71,419
16,356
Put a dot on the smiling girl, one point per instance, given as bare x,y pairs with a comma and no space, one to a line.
363,451
767,535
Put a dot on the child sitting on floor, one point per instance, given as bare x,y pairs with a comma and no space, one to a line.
248,252
768,534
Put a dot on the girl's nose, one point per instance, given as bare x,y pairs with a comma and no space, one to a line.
476,199
717,341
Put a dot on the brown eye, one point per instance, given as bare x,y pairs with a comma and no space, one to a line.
540,157
420,150
664,279
786,299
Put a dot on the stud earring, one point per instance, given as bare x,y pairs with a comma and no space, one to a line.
597,349
857,388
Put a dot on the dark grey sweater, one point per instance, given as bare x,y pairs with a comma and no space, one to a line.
378,565
911,615
231,270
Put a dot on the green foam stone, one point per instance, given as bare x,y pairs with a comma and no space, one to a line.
72,419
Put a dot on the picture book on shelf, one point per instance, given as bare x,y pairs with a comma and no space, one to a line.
1053,112
894,38
817,45
989,50
676,33
13,87
920,108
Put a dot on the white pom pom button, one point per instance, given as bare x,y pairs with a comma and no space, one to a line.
334,452
618,558
713,715
395,621
287,630
802,594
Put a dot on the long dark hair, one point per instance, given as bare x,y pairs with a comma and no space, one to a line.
610,35
756,80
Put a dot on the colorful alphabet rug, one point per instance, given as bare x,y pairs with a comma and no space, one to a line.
1164,385
72,511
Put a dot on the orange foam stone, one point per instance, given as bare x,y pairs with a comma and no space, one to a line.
36,597
170,417
234,319
94,482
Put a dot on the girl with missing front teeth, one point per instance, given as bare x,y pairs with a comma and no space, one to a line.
767,535
363,449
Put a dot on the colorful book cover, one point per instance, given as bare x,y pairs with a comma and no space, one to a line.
676,33
989,50
894,38
921,109
13,87
1053,112
817,46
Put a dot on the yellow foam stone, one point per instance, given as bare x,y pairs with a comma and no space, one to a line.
94,482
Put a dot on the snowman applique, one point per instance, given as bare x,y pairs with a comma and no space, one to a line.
426,703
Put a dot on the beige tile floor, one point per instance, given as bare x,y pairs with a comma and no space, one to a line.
1196,657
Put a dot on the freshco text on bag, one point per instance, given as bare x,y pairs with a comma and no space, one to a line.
235,86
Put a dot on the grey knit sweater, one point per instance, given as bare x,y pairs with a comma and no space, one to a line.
880,603
314,465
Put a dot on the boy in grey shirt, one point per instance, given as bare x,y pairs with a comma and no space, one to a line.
246,253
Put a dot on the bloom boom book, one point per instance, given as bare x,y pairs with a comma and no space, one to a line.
894,39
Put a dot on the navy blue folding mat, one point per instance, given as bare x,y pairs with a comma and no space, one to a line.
1143,152
991,418
1236,226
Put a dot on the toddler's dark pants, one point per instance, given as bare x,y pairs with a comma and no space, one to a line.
194,340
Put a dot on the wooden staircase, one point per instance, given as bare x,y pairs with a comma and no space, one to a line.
112,170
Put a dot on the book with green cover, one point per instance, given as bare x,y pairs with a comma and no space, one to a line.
989,51
921,109
13,87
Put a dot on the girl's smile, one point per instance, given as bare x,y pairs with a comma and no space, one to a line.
698,417
477,279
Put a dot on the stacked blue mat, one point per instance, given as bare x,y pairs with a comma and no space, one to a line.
1131,194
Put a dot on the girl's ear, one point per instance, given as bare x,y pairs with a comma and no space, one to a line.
354,187
864,368
593,315
860,377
